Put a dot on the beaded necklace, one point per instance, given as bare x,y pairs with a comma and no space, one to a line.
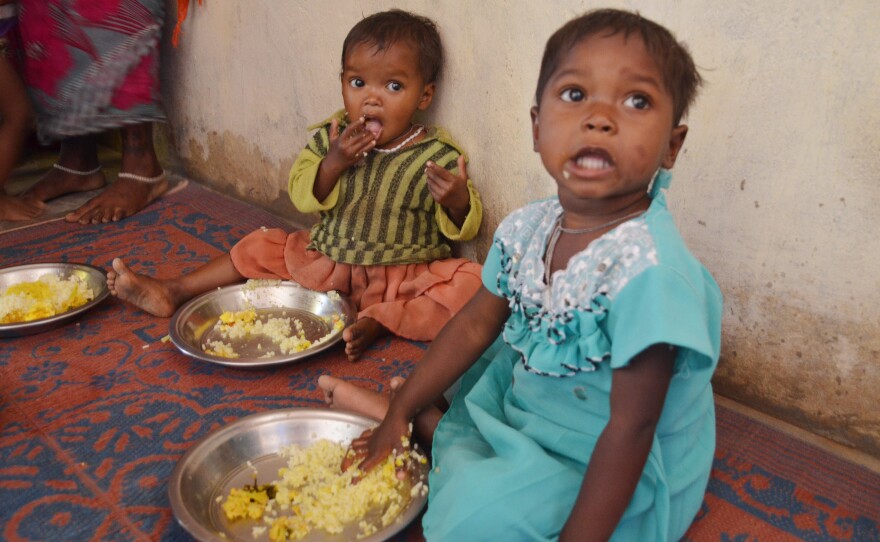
403,143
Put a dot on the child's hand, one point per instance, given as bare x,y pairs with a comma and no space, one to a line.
346,149
374,445
349,147
450,190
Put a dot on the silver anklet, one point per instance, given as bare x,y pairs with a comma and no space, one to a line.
76,171
148,180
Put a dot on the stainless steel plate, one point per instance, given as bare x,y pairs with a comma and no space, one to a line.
192,326
94,277
219,462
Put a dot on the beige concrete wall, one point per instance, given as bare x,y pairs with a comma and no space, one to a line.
776,190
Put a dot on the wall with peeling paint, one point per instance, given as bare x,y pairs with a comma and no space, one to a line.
776,190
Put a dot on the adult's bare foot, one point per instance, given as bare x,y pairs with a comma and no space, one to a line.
148,294
140,181
17,209
77,170
360,336
122,199
341,394
55,183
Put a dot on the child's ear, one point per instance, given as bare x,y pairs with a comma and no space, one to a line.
534,113
676,140
427,96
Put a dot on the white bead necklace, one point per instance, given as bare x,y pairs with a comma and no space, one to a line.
403,143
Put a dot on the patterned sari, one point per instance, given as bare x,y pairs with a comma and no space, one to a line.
91,65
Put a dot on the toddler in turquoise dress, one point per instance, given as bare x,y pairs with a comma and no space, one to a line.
585,410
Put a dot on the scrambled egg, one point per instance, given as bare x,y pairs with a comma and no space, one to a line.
42,298
245,503
287,334
313,493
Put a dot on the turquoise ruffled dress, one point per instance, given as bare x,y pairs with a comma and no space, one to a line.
511,452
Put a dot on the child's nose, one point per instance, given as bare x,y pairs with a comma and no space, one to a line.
599,120
372,98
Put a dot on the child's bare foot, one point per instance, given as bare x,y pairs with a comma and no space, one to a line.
360,335
341,394
12,208
146,293
122,199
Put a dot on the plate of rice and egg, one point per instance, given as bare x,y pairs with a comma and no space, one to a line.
260,323
276,476
39,297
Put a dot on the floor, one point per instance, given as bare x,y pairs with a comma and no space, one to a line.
844,452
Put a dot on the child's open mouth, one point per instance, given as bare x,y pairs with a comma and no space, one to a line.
374,126
593,159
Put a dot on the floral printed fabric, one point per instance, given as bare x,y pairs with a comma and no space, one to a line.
90,65
560,323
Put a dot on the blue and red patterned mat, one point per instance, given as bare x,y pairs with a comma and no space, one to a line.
94,415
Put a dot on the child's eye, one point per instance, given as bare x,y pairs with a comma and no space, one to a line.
356,82
638,101
572,95
394,86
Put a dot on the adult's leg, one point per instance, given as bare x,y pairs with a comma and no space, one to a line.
16,117
127,195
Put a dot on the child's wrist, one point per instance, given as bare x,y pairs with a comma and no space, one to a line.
397,409
331,168
463,210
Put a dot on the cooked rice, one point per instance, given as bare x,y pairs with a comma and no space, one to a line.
42,298
313,493
286,334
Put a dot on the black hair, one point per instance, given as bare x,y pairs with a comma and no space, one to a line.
386,28
680,75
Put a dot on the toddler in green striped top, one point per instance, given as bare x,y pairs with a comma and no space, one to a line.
391,194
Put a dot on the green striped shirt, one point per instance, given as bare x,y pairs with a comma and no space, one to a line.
383,212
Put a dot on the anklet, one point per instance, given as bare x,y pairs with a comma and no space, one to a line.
76,171
148,180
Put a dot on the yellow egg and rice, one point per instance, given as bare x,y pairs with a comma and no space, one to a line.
284,334
313,493
47,296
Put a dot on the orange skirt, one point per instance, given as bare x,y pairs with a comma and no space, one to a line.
411,300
